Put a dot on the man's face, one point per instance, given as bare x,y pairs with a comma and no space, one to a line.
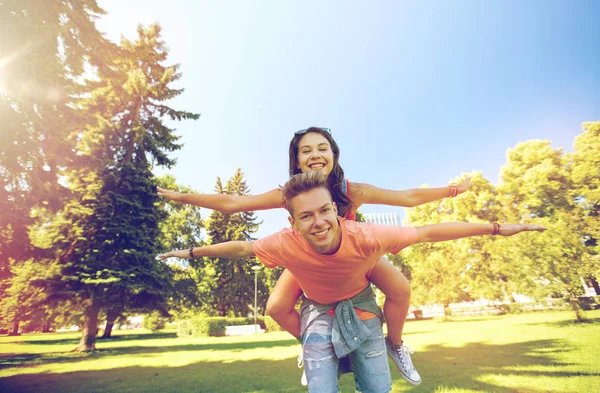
315,218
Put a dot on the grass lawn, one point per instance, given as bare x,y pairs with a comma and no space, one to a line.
536,352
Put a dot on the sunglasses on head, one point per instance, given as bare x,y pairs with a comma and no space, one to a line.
327,130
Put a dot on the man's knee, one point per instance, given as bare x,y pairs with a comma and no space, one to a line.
276,308
400,292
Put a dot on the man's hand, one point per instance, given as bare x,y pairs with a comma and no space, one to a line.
464,186
513,229
168,194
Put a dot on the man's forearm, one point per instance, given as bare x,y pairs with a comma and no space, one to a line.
235,249
452,231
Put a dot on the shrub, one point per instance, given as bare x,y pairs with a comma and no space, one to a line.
271,325
154,321
213,326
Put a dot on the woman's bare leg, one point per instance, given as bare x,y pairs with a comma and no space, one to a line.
280,305
396,288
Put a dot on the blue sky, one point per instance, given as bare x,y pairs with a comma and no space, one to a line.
415,92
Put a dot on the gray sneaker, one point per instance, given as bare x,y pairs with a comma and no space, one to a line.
400,354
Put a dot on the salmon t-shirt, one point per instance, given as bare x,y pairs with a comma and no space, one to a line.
331,278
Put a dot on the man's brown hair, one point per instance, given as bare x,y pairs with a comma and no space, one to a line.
302,183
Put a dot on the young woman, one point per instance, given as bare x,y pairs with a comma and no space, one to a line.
314,149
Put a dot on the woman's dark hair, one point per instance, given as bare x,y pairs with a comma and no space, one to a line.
336,177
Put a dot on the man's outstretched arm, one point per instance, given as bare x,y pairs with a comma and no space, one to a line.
452,231
234,249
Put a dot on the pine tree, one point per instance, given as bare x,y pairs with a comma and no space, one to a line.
229,283
108,238
181,228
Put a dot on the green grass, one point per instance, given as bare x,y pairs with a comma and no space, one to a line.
539,352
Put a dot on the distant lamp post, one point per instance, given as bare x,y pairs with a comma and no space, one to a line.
256,269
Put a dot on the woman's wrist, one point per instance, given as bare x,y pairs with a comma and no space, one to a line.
452,190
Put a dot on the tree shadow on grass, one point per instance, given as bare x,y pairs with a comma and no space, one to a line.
455,368
569,323
27,360
466,367
258,375
466,318
116,338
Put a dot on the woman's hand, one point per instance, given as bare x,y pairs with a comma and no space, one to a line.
174,254
513,229
168,194
464,186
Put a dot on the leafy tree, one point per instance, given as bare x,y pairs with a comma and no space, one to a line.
44,49
538,183
559,259
437,271
585,169
535,180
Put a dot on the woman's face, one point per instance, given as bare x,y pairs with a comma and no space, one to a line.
315,154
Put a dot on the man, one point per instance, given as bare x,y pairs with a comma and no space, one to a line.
331,258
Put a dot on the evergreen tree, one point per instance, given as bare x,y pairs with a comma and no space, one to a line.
180,229
108,239
229,284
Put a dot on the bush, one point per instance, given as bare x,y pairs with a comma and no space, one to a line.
271,325
185,328
511,308
213,326
154,321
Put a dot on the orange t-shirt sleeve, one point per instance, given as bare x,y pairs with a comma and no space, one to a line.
392,239
269,250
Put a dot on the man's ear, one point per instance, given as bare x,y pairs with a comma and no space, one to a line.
292,223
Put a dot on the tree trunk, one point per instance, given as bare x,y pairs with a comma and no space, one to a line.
46,326
447,312
508,294
15,328
90,328
111,317
577,310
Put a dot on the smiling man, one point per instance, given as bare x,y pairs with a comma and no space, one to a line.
332,258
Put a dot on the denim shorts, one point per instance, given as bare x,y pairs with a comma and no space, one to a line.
369,361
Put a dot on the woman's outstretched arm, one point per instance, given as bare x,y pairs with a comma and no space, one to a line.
227,203
362,193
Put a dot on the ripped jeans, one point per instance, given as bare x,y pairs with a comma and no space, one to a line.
369,361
